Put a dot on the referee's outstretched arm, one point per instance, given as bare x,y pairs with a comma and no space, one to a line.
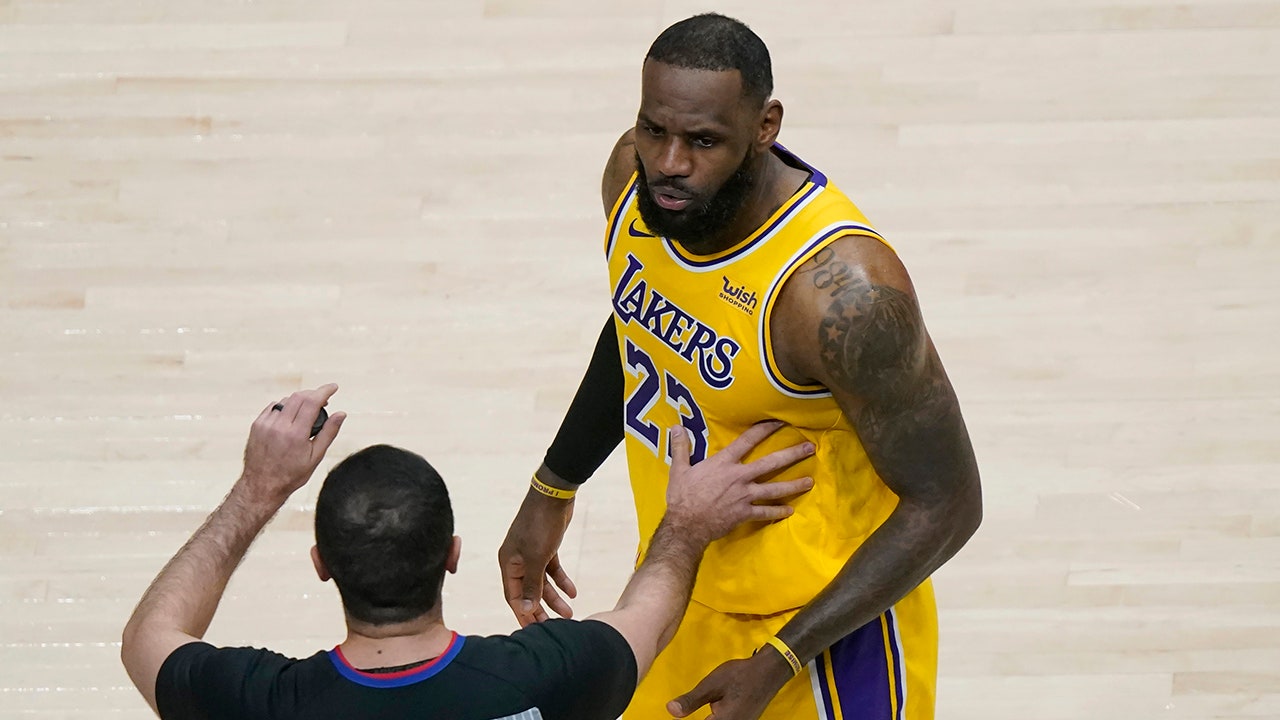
704,502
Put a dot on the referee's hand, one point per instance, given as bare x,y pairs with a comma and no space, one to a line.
281,454
722,492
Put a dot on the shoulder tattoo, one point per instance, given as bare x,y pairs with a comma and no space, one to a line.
874,346
870,335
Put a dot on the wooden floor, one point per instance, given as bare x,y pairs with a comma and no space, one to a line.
206,205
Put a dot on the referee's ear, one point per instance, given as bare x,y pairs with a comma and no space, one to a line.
322,571
455,552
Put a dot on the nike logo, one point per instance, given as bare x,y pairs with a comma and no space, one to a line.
637,233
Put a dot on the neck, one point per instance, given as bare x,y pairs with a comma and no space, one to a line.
377,646
776,181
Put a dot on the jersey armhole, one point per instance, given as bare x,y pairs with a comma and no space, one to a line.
815,245
617,213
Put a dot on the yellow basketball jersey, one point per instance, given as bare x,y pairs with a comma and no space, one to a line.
693,334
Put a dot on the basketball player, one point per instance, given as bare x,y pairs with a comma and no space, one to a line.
746,286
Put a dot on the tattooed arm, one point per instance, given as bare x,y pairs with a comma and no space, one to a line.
867,343
849,319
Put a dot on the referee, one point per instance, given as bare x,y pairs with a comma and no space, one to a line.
384,535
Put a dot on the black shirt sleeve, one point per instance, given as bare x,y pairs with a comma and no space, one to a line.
584,669
592,427
200,681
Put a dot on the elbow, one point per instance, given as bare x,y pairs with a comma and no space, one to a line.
967,514
130,638
975,502
955,517
973,521
126,650
127,641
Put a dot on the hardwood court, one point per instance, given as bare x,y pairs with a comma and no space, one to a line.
205,206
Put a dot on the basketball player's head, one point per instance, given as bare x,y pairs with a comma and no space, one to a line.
384,533
706,118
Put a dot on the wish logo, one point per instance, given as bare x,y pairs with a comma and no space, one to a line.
737,296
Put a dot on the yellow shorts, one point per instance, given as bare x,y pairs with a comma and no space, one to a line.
885,670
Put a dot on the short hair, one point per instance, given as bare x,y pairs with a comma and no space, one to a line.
715,42
384,526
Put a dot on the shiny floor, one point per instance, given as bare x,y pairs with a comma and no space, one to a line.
204,206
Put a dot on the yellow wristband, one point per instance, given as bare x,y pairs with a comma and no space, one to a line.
551,492
787,655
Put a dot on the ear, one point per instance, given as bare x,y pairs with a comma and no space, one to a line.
322,572
770,125
455,552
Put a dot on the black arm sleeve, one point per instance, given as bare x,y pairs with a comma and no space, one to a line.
592,427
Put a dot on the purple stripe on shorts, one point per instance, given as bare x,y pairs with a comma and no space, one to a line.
895,644
820,664
861,672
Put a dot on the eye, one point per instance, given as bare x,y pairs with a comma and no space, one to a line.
704,142
653,130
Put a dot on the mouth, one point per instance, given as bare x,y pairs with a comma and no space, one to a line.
669,198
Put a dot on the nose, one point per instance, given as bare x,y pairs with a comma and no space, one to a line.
675,160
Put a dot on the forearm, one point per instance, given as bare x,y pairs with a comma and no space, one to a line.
653,603
661,587
903,552
186,593
592,426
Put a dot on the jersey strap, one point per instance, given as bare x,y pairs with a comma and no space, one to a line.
808,251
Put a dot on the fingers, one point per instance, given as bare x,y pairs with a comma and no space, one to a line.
530,597
779,490
701,695
311,402
560,577
775,461
329,432
265,414
302,408
520,590
749,439
679,443
769,513
555,601
539,615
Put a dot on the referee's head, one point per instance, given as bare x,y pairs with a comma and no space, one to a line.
384,533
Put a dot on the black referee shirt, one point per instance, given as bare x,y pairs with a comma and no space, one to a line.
554,670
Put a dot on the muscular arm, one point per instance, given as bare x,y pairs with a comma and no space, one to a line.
589,432
592,427
855,326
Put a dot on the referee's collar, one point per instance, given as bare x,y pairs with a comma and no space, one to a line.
396,679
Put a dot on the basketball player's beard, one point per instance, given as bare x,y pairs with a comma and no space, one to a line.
699,225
